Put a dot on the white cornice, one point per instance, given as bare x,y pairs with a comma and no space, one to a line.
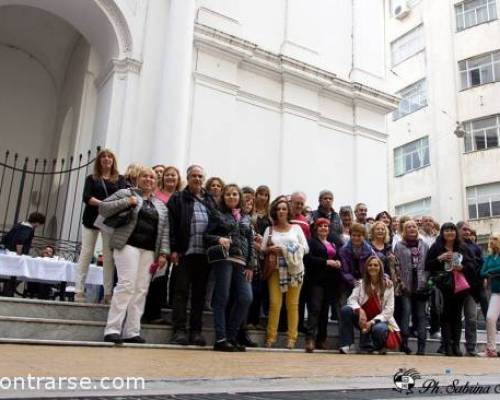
370,133
118,66
251,57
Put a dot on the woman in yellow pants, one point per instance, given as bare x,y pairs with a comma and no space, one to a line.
288,242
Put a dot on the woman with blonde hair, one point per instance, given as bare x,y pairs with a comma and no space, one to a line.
491,271
131,174
288,243
157,294
171,182
370,308
139,243
411,252
260,221
380,242
102,183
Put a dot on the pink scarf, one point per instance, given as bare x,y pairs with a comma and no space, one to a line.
236,213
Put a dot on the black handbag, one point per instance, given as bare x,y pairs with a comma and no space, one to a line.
216,253
119,219
444,281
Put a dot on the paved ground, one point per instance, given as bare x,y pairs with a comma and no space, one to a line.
18,360
172,371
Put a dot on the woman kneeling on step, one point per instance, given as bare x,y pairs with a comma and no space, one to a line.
370,308
137,243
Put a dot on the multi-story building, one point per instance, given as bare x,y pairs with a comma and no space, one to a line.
444,63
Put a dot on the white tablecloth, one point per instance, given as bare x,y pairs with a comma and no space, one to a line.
45,269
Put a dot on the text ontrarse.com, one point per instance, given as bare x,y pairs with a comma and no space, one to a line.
30,382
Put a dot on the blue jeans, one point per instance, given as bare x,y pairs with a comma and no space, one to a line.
410,304
373,340
230,276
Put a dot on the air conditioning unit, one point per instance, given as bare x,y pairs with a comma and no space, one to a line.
400,9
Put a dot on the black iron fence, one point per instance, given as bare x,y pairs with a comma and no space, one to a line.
53,187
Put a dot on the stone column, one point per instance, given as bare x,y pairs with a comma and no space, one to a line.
172,123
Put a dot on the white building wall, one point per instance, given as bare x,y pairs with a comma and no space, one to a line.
450,171
258,92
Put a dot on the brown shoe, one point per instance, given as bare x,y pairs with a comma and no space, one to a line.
290,345
268,344
322,345
309,347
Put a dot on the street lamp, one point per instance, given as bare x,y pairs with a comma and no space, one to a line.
459,130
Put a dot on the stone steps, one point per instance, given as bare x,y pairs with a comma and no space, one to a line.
55,321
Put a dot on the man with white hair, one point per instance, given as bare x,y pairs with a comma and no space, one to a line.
297,205
188,212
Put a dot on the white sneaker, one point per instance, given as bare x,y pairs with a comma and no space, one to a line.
436,335
345,350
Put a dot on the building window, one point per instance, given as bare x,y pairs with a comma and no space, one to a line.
407,45
482,133
480,70
475,12
416,208
411,156
413,98
484,201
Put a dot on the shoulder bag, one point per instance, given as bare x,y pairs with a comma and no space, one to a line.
270,259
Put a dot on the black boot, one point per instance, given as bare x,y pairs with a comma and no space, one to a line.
421,348
404,346
244,339
457,334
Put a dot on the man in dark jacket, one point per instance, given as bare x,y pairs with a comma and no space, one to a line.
477,292
188,212
19,239
325,210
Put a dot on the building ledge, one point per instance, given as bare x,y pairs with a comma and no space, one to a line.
282,67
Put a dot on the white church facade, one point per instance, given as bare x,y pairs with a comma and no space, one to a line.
288,93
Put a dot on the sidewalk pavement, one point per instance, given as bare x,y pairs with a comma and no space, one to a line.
169,371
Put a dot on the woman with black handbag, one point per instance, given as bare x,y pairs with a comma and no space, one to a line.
451,266
411,253
229,239
324,278
104,181
138,240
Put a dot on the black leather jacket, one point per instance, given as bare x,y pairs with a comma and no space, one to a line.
240,232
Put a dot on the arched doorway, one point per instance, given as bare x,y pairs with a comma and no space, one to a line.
64,76
56,56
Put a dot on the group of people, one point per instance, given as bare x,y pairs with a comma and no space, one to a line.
250,256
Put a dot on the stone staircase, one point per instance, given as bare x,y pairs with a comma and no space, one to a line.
53,322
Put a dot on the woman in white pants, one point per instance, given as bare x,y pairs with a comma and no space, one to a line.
104,181
137,245
491,270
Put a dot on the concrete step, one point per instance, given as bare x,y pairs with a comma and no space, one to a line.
66,321
50,309
71,331
92,331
